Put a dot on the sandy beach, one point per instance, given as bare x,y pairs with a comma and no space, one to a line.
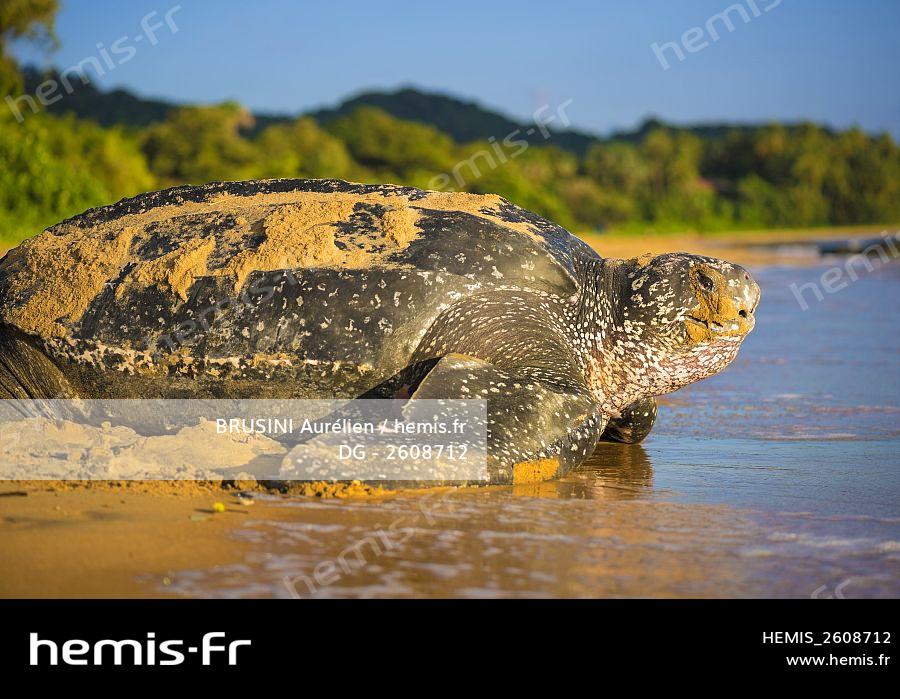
748,248
99,539
126,538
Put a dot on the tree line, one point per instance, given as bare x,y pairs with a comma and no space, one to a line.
55,166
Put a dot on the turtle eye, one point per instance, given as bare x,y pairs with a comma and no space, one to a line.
705,282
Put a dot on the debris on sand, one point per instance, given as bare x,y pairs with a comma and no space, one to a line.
336,489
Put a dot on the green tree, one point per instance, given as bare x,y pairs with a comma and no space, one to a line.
23,19
594,207
616,167
394,150
302,149
52,168
201,144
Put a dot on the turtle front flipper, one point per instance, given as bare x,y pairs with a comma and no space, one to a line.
633,424
536,431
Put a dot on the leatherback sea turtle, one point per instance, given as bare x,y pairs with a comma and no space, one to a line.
322,288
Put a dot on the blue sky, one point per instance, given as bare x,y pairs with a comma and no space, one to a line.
832,61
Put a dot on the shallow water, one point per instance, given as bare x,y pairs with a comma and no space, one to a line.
777,478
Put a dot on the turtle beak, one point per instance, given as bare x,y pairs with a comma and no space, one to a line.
727,299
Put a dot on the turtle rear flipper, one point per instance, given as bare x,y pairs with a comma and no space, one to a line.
26,372
536,431
30,382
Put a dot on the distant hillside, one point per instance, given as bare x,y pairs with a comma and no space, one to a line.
707,131
107,108
462,120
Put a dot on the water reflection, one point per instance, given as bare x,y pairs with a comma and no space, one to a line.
613,472
619,471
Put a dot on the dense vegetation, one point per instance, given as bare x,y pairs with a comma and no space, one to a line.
53,165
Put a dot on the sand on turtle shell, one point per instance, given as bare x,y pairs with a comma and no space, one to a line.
55,277
51,279
175,270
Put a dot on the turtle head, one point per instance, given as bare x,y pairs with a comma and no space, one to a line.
685,316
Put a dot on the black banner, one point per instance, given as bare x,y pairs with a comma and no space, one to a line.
344,642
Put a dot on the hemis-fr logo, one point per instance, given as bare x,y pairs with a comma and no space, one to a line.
212,649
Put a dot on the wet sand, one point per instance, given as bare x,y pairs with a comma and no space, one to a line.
780,477
100,540
125,538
